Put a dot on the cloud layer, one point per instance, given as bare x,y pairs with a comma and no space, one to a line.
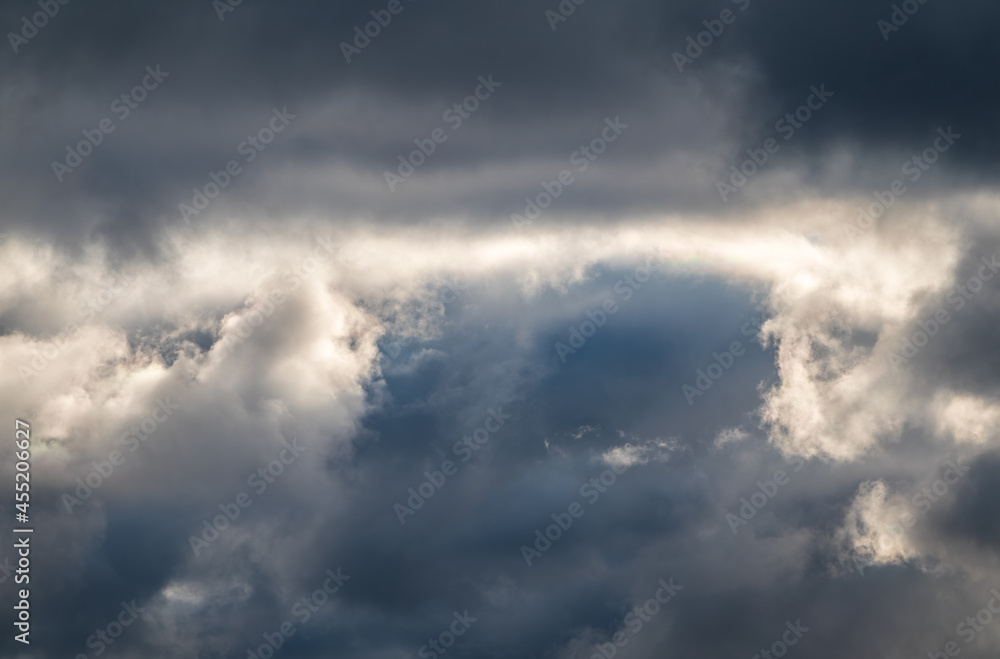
653,330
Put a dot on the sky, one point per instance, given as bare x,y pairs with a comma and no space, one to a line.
550,330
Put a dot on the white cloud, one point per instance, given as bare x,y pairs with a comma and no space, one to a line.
838,397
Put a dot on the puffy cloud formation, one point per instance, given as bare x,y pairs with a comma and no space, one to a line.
481,332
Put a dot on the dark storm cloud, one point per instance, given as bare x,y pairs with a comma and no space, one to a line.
471,530
640,392
960,354
964,516
558,86
664,517
930,72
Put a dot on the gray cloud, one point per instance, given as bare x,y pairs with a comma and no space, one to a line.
781,482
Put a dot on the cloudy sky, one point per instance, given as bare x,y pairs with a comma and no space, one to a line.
550,330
